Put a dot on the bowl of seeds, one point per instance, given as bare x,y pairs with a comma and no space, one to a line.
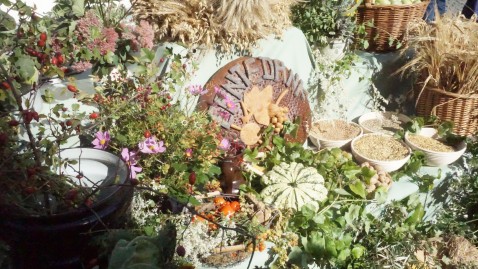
437,151
382,122
381,150
333,133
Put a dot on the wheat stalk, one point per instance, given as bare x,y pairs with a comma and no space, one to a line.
446,53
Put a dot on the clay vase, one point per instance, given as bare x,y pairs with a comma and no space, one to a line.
231,174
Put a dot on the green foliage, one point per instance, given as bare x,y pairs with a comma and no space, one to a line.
320,19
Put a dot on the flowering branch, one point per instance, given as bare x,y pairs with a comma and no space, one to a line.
18,100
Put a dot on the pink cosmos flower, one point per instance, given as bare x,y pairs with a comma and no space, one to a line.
225,144
151,146
131,159
197,90
101,140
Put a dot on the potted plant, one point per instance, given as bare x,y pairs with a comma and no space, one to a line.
328,25
52,196
446,65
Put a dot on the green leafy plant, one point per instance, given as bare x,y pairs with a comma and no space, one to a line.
321,19
33,52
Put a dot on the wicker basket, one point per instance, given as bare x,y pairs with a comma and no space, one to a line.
461,109
389,23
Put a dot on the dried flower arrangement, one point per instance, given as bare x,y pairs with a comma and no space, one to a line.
218,23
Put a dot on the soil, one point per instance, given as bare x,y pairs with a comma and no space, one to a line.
382,148
429,143
384,125
334,130
226,259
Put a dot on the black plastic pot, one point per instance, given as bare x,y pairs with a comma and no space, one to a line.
60,240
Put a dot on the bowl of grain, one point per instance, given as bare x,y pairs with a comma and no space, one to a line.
380,150
437,151
333,133
382,122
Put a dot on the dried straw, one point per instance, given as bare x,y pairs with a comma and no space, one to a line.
224,23
446,53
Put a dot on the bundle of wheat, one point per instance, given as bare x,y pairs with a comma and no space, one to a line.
224,24
446,54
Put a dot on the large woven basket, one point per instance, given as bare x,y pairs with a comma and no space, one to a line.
461,109
386,25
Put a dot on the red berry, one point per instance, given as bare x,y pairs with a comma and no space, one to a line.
147,134
134,181
192,178
60,59
64,109
161,60
72,88
29,190
93,116
71,194
69,123
6,85
54,61
3,139
41,43
27,117
35,116
43,36
181,251
31,172
184,66
89,202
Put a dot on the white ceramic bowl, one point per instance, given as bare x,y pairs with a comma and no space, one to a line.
436,158
321,143
379,115
387,166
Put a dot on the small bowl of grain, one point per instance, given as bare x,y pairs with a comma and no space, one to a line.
437,152
382,122
333,133
381,150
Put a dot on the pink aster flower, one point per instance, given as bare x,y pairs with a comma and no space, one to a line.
189,153
197,90
101,140
151,146
229,103
225,144
131,159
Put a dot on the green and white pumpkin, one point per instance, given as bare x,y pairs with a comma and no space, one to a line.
291,185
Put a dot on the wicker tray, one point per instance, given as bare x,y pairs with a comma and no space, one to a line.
389,23
461,109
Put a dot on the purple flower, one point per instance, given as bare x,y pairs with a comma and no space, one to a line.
101,140
197,90
131,160
225,144
151,146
